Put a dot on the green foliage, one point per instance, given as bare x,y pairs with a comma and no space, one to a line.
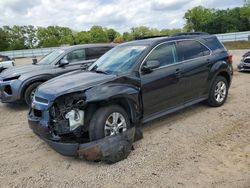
97,34
218,21
4,44
54,36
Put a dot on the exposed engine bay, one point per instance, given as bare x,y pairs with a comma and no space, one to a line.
67,115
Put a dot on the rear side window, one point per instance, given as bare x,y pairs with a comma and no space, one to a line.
165,54
95,53
76,56
190,49
214,44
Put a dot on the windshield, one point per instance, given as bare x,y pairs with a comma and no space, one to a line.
50,58
117,60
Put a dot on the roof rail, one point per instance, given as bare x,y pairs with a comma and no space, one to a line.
189,33
154,36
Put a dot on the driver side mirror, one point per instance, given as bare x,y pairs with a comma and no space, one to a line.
150,65
63,62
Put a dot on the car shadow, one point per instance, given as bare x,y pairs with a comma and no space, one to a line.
17,106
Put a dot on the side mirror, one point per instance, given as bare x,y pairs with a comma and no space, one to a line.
150,65
34,61
63,62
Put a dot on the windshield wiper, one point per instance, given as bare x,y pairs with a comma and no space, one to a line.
101,71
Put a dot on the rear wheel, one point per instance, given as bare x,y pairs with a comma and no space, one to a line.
218,92
30,92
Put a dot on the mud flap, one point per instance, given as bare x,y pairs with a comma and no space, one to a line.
110,149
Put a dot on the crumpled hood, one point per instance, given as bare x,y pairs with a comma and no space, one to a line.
21,70
71,82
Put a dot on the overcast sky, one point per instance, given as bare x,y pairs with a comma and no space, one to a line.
118,14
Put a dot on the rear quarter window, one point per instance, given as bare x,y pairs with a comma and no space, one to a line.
95,53
214,44
190,49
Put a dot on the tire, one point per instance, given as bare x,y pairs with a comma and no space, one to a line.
98,121
28,92
215,100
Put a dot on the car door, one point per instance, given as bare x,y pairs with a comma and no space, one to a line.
162,88
196,62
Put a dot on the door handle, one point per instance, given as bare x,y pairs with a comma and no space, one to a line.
178,73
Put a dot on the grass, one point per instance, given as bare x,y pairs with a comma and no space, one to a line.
236,45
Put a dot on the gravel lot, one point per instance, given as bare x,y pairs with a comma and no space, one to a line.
196,147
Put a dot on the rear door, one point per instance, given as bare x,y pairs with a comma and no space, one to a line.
196,60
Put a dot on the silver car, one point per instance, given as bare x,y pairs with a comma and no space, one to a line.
244,64
5,62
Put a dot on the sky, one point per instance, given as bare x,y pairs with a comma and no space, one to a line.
118,14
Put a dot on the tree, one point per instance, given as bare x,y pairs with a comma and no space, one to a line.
4,44
140,32
197,18
111,33
54,36
126,36
82,37
97,34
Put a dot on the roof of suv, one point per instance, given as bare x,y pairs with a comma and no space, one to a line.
88,46
150,41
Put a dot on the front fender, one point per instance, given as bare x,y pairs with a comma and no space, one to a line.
33,79
110,92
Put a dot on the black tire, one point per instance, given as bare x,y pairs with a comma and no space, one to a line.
28,92
212,99
97,122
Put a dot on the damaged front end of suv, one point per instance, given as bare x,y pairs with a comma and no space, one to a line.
62,115
64,127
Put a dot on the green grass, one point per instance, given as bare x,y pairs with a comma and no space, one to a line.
237,45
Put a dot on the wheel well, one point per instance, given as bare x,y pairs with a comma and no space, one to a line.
26,86
126,104
225,75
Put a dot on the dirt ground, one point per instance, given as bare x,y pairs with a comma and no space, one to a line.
196,147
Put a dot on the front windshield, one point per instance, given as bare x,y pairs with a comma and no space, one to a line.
118,60
50,58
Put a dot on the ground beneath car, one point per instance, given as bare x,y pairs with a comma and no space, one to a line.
196,147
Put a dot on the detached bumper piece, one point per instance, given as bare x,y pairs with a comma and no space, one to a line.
109,149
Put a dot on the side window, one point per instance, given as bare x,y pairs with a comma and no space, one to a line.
165,54
190,49
76,56
96,52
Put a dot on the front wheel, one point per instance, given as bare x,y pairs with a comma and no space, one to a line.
30,92
218,92
108,121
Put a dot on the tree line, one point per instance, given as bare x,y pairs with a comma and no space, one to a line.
197,19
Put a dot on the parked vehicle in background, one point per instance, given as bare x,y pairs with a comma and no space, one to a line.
244,64
19,83
5,62
133,83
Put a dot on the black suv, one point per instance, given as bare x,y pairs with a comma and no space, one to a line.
20,82
133,83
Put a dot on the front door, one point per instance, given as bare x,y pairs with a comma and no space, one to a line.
162,88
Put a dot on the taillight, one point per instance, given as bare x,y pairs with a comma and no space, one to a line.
230,58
